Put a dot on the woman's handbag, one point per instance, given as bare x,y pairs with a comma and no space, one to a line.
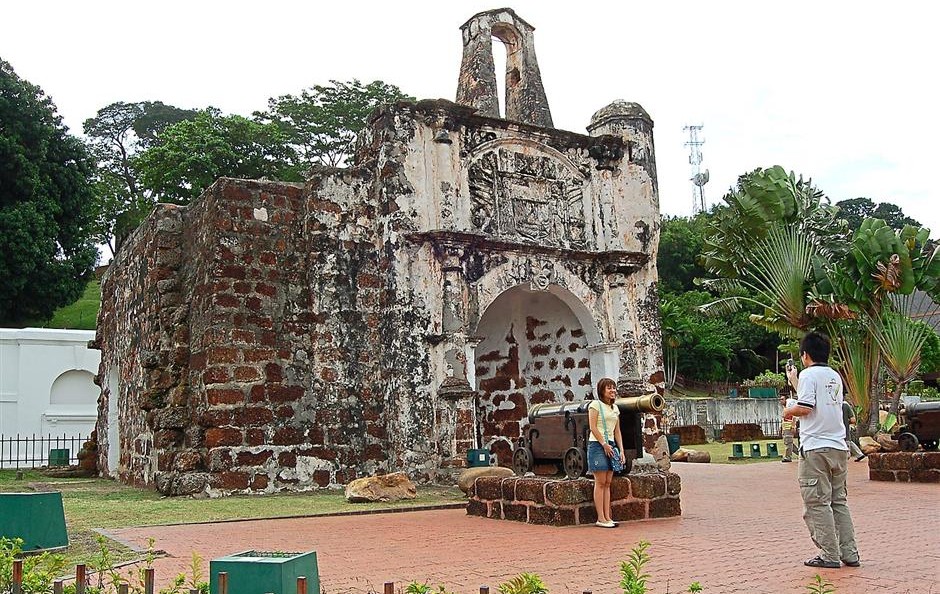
615,464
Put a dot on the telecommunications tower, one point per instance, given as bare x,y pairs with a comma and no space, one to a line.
699,178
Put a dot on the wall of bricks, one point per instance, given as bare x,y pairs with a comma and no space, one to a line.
275,336
741,432
689,434
567,503
904,467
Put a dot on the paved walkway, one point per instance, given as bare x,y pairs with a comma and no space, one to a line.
740,531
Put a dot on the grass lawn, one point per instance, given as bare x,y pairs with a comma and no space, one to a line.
721,451
81,315
101,503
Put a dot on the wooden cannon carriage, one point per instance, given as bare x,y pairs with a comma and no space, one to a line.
921,427
558,433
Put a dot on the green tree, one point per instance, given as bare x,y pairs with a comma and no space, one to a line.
764,245
322,124
930,352
778,240
117,133
681,240
192,154
46,205
856,210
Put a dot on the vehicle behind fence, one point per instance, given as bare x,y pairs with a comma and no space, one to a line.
33,451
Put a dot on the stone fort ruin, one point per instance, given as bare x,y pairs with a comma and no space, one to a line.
392,314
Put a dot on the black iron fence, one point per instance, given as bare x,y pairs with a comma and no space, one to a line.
32,451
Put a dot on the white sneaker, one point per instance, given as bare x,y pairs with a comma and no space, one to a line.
605,524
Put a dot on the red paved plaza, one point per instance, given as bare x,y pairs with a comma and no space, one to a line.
740,531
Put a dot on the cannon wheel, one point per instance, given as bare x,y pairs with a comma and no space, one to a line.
574,463
908,442
930,445
522,460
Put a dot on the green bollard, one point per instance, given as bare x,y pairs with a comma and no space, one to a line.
755,450
737,450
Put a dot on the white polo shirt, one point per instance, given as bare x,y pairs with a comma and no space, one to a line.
820,389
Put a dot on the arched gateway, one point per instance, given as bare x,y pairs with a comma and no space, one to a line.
394,314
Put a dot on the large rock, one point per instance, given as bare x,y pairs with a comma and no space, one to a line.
887,444
385,487
869,445
680,455
689,455
660,453
470,475
700,457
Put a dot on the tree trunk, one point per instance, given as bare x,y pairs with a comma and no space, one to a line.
896,398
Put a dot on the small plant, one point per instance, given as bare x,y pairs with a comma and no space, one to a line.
632,577
820,586
766,379
416,588
524,583
888,424
422,588
39,571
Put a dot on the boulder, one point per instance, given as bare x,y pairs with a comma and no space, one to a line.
887,444
700,457
470,475
660,453
385,487
869,445
688,455
680,455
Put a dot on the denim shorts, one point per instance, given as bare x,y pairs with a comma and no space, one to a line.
597,459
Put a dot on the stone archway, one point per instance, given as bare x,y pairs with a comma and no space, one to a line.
533,348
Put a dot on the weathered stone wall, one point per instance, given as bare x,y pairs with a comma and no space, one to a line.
904,467
565,502
394,314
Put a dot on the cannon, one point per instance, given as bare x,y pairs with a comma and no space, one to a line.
558,433
921,427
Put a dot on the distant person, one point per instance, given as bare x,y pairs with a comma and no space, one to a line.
848,418
604,421
787,427
823,455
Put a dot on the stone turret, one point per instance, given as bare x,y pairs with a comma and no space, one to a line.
476,87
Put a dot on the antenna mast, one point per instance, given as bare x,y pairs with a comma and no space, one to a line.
699,178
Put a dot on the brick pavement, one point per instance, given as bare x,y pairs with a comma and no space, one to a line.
740,531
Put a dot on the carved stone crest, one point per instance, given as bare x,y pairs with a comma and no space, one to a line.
521,194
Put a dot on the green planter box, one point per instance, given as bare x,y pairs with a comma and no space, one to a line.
37,518
59,457
261,572
762,392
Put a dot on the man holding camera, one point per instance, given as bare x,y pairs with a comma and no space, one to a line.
823,455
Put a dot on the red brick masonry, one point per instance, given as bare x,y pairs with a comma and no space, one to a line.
561,502
904,467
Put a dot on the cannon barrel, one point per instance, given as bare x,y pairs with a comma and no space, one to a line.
648,404
918,408
556,408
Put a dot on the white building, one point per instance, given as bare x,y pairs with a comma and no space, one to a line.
47,384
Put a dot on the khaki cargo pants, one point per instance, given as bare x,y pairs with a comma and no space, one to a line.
822,483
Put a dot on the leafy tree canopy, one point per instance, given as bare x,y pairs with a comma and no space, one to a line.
322,123
116,133
856,210
46,205
681,240
192,154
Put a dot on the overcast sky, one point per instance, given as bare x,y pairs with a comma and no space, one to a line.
842,92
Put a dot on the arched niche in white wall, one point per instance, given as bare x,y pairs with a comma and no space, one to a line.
74,388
